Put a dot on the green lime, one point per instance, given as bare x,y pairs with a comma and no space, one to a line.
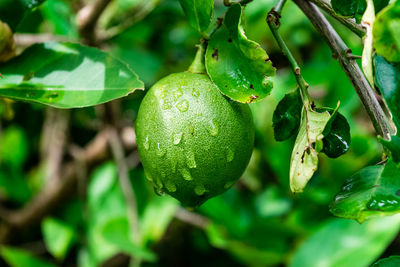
194,143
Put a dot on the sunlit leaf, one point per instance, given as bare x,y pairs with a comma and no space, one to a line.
20,258
58,236
374,191
386,32
238,66
66,76
346,243
198,12
287,115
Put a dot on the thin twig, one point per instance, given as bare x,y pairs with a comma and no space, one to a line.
353,71
87,19
349,23
126,186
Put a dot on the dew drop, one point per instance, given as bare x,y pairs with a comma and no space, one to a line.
158,191
146,143
52,96
160,151
199,189
186,174
229,184
191,129
195,92
177,94
229,155
182,105
171,187
166,104
190,160
213,127
177,138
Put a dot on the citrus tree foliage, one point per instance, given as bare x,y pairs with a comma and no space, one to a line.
83,172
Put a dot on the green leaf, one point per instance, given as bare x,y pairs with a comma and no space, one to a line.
304,160
198,12
61,16
14,146
238,66
387,77
355,8
393,146
19,258
117,232
164,210
386,32
392,261
374,191
337,141
13,11
287,116
349,8
58,236
66,76
346,243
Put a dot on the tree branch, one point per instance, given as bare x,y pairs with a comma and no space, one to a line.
87,17
349,23
350,66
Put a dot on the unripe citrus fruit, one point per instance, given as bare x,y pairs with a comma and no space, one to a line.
194,143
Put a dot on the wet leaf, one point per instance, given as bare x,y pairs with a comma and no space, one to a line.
374,191
387,77
392,261
337,141
386,32
287,115
238,66
198,12
66,76
355,8
304,160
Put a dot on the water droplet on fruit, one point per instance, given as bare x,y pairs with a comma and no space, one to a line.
229,184
183,105
195,92
199,189
190,160
146,143
213,127
191,129
186,174
160,151
166,104
163,94
229,155
171,187
177,138
177,94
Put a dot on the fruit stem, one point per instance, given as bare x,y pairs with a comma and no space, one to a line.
197,65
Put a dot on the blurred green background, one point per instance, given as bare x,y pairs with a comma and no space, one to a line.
258,222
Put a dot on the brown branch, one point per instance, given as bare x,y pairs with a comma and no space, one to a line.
349,23
350,66
87,17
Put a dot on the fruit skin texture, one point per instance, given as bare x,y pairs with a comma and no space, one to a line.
194,143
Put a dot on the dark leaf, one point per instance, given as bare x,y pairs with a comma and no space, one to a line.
287,116
13,11
392,261
338,139
393,146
